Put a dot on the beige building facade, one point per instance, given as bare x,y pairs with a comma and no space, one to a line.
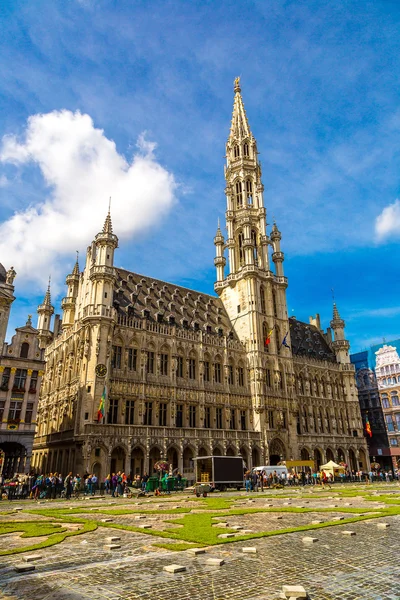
21,372
388,377
187,374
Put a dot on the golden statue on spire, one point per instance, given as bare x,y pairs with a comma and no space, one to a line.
237,84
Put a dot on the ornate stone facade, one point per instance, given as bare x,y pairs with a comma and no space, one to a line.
190,374
388,378
21,371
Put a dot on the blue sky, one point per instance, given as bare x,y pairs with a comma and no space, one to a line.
320,82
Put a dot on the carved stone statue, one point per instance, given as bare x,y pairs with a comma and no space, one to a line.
10,275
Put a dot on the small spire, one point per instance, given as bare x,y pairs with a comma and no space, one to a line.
47,298
75,270
239,126
108,223
335,312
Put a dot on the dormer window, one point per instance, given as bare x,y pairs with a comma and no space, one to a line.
146,314
185,323
196,326
172,320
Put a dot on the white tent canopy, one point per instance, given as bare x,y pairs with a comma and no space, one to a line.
331,466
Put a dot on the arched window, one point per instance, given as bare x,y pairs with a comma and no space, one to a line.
241,250
262,299
249,192
321,421
385,401
305,420
239,197
236,151
24,350
278,339
266,339
246,149
254,243
274,303
395,399
328,422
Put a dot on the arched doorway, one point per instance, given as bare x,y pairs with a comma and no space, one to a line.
329,455
217,451
154,456
352,460
341,457
277,452
188,465
244,454
362,462
230,451
317,458
118,460
96,470
172,457
137,461
13,460
255,457
304,454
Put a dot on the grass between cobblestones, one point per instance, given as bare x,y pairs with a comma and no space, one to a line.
196,529
55,533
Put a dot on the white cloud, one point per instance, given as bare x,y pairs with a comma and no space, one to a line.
81,168
387,224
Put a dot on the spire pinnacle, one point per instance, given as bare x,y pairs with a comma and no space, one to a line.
335,312
75,270
47,297
239,126
108,223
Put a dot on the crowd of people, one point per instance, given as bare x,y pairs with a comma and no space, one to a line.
258,480
54,485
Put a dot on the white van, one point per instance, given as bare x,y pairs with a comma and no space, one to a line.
270,470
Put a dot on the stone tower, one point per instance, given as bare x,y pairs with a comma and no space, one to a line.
6,299
68,304
45,312
253,294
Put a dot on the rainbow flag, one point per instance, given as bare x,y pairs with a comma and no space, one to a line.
368,429
102,406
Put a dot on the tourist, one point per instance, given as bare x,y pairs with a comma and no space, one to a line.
68,486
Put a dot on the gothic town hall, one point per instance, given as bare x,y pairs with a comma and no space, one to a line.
186,374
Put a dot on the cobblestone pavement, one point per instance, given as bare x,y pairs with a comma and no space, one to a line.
337,567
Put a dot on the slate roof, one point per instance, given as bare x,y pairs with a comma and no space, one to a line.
134,294
308,340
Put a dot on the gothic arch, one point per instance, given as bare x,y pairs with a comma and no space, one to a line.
329,455
305,454
217,451
276,451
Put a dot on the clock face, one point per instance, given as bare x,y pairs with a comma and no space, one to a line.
101,370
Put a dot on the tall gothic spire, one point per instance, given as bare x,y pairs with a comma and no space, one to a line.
75,270
239,126
47,297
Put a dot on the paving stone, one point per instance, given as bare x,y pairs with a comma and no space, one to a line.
22,568
337,519
196,551
309,540
32,557
113,539
106,520
215,562
224,536
294,591
278,518
316,522
146,526
137,517
383,525
249,550
112,546
237,527
349,533
174,568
